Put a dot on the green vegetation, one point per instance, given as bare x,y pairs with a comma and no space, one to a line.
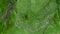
29,16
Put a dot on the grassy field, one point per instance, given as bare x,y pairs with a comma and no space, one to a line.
29,16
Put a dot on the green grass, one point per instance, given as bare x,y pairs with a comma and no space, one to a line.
30,17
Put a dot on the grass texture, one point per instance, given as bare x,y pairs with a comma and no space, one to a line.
29,16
